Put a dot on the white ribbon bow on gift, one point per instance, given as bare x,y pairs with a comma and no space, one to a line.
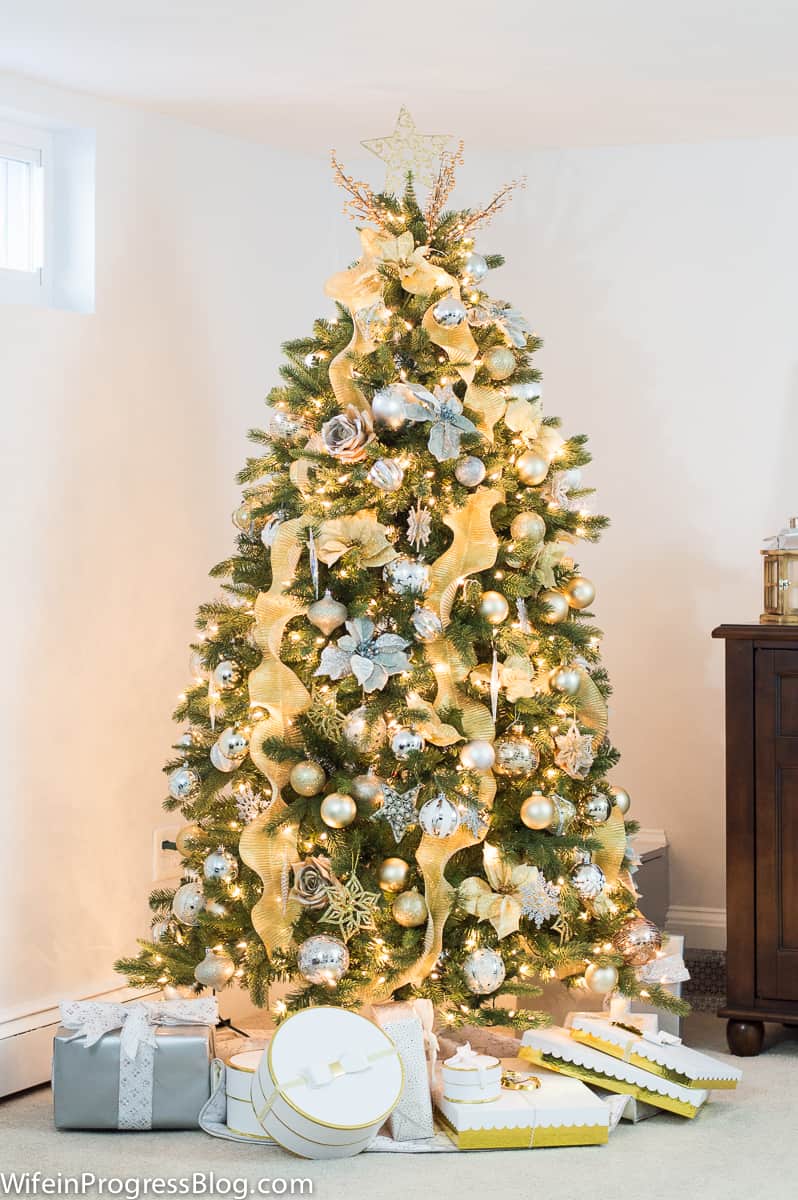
668,969
352,1062
138,1022
425,1012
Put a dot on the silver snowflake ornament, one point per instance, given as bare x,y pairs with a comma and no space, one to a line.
249,803
419,526
539,899
398,809
475,820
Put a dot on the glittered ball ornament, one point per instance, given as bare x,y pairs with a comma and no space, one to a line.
232,743
499,362
182,783
410,910
478,755
555,606
159,931
364,734
188,902
185,836
588,880
598,807
537,811
601,979
327,614
565,680
639,941
621,799
516,757
368,789
427,624
225,674
307,778
406,742
528,526
483,971
220,864
580,592
532,467
338,810
494,607
322,960
475,267
449,312
220,761
215,971
388,408
564,813
392,874
242,518
407,576
439,818
386,474
470,471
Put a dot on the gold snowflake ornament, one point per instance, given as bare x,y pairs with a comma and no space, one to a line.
350,907
408,150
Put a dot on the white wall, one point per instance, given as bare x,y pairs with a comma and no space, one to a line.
662,281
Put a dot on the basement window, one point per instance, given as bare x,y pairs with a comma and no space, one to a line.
25,216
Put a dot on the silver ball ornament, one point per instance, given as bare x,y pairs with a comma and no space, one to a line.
439,817
478,755
182,783
598,807
566,680
242,518
470,471
556,607
322,959
188,902
406,742
186,740
392,874
220,864
159,931
221,761
410,910
388,408
532,467
483,971
564,813
215,971
528,526
269,531
494,607
476,267
516,757
232,743
639,941
368,789
338,810
449,312
225,674
386,474
588,879
307,778
407,576
327,614
580,592
364,735
499,362
621,799
187,835
601,979
427,624
537,811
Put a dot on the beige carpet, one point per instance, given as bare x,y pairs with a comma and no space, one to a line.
744,1144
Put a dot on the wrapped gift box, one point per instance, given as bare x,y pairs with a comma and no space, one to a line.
241,1117
556,1049
135,1066
561,1112
327,1082
471,1078
409,1026
659,1053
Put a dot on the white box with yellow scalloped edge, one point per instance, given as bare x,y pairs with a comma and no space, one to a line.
660,1053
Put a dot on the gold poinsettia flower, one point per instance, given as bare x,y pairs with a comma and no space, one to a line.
511,891
517,677
432,728
362,529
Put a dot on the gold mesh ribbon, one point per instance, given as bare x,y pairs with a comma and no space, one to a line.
473,549
357,288
612,835
488,404
592,707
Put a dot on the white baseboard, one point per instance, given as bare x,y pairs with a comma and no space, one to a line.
703,928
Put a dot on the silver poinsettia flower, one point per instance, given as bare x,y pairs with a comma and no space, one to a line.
512,323
445,413
371,659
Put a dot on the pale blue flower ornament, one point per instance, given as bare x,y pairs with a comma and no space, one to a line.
445,413
371,659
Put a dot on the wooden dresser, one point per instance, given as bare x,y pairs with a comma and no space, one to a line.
761,830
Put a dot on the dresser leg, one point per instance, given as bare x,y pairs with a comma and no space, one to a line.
745,1037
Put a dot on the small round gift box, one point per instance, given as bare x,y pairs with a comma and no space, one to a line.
471,1078
326,1083
241,1117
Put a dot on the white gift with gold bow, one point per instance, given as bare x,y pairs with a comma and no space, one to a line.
471,1078
326,1083
659,1052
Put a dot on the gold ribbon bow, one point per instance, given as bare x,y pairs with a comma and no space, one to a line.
504,906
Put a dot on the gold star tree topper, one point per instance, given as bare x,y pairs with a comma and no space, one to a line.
408,150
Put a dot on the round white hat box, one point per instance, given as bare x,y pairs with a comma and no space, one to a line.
326,1083
240,1113
471,1078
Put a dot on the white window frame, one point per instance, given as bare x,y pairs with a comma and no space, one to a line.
32,145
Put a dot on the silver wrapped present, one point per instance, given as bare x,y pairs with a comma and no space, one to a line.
133,1066
409,1026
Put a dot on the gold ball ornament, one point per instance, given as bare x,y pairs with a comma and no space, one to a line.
392,874
410,909
565,680
338,810
532,467
580,592
638,941
537,811
368,788
327,614
187,835
499,362
307,778
621,799
528,526
556,606
494,607
601,979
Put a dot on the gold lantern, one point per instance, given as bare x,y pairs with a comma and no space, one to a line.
781,578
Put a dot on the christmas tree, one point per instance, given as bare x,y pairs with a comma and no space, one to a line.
395,767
